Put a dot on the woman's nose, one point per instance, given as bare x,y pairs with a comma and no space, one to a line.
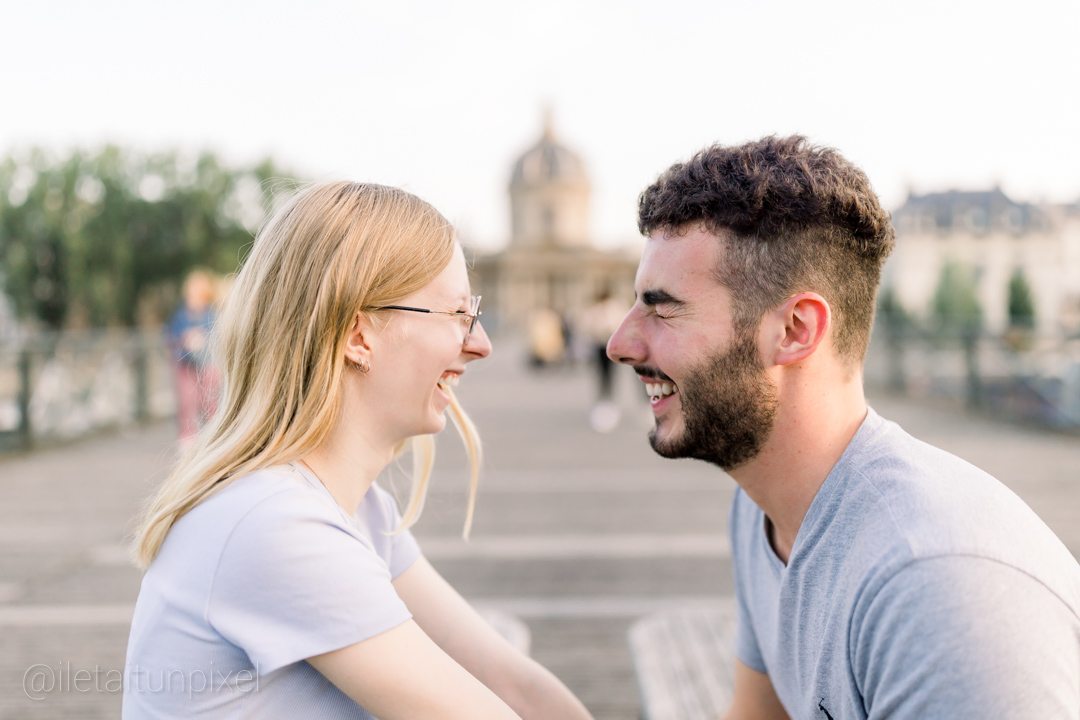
479,345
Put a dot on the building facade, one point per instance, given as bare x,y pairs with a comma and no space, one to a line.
550,262
991,236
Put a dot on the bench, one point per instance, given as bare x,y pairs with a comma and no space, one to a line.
684,660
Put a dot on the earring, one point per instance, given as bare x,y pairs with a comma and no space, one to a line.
362,365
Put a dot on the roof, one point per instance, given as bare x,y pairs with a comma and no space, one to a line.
547,162
968,210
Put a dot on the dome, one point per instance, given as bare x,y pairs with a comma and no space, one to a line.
547,162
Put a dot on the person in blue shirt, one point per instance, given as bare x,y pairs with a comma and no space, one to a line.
876,576
188,336
281,580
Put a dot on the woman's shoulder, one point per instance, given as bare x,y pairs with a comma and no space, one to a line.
265,499
274,485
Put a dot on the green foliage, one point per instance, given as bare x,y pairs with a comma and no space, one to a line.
84,238
1021,304
891,312
956,306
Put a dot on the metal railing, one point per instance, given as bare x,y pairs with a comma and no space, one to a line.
1034,379
62,385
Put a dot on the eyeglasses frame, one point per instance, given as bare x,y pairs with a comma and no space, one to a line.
474,316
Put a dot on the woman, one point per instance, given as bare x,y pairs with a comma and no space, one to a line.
280,582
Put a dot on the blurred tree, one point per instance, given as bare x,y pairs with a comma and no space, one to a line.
958,316
1020,335
955,305
891,311
898,329
83,238
1021,304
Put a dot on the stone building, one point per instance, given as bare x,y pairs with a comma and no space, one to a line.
550,261
993,236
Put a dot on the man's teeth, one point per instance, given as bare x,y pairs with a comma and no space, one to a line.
660,389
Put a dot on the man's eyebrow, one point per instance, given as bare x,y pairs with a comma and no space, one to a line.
659,297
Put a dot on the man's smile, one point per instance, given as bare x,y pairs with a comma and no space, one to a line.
659,391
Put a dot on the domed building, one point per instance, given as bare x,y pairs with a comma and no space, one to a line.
549,197
550,262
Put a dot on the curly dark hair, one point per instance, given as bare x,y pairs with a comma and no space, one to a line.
793,217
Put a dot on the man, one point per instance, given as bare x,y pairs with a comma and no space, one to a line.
876,576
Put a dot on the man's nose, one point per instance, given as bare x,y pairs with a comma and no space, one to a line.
625,346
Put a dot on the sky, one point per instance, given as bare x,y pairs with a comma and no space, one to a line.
442,97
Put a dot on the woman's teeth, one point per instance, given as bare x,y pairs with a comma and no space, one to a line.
449,381
659,390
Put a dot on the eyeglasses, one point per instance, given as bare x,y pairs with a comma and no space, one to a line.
469,318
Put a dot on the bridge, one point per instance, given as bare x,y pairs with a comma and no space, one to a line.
576,533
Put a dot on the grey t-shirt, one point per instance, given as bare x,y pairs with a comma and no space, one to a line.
918,587
248,584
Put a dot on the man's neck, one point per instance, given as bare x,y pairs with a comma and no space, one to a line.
811,432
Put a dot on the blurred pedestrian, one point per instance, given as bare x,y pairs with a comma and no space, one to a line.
547,341
598,322
189,339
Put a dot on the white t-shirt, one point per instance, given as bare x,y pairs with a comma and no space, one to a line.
255,579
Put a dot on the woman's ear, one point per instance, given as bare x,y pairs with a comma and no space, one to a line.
802,322
357,347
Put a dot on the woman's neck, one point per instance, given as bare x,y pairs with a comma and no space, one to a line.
350,459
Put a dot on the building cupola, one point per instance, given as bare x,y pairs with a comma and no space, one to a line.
549,195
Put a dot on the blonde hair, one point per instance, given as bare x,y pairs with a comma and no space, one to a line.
330,251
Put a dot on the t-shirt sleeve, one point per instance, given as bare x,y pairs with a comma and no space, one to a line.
966,637
399,550
294,581
746,643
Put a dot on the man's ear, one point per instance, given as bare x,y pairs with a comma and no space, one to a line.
357,347
800,324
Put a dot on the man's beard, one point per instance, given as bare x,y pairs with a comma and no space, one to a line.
728,408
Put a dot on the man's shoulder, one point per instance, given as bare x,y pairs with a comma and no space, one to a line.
927,503
937,501
893,499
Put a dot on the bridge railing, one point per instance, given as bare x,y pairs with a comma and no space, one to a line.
62,385
59,386
1022,377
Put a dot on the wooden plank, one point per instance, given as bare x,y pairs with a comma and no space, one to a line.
684,660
